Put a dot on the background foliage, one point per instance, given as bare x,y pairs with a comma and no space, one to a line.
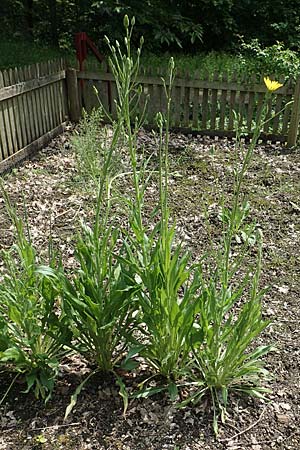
192,25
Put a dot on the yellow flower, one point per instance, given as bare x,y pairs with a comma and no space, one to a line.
272,85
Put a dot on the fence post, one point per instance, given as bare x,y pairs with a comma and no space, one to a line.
295,117
73,97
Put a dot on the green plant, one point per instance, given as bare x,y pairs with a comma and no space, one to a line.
275,60
99,299
98,296
230,316
156,264
91,143
33,331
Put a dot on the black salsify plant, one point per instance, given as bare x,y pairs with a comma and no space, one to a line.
99,296
229,303
155,262
33,331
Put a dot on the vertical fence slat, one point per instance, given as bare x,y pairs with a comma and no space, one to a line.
39,102
11,126
54,94
50,99
19,77
73,95
186,107
223,103
6,143
17,112
32,70
177,106
33,105
278,107
286,117
204,104
241,107
195,103
45,99
28,109
59,95
186,102
295,117
232,104
251,105
214,104
268,115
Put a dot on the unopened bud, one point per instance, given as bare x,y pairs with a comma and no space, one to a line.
126,21
159,119
171,63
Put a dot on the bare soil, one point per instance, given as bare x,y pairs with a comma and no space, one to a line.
201,178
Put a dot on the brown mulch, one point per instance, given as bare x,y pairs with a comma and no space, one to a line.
201,169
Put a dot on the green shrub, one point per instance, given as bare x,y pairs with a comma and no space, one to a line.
275,60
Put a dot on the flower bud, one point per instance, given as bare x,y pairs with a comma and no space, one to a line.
126,21
159,119
171,63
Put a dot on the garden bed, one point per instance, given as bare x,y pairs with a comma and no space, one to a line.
201,178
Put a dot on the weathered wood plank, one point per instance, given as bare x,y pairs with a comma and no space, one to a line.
195,103
295,117
19,76
73,95
4,135
250,109
30,85
286,117
51,104
11,126
232,103
223,103
268,115
30,125
30,149
45,100
214,103
276,120
38,99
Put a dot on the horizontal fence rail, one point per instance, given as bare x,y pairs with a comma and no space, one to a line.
37,100
33,109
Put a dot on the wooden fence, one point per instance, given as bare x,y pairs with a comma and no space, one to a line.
33,109
210,106
37,101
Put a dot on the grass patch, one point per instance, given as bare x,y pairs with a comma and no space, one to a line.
16,53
